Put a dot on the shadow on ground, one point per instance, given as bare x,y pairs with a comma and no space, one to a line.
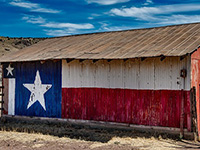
77,131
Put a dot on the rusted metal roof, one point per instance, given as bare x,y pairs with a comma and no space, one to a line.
174,40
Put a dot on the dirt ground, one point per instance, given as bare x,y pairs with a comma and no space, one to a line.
22,135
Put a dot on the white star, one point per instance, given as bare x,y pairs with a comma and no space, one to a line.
10,69
37,91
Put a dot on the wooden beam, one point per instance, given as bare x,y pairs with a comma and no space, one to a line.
109,60
143,58
182,57
56,60
95,60
81,60
126,59
42,61
162,58
69,60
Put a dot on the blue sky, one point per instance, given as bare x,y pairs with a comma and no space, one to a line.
48,18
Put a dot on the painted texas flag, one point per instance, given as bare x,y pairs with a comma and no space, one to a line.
35,90
9,82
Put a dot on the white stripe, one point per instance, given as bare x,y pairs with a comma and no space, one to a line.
11,96
150,74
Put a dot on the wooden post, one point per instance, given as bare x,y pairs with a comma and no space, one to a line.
182,115
194,113
1,92
183,75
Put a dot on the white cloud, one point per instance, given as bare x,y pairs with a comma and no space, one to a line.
106,2
178,19
24,4
56,28
107,26
149,13
57,32
68,25
33,7
148,2
63,32
144,13
93,16
165,15
90,18
34,20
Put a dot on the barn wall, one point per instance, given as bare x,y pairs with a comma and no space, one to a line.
195,82
140,92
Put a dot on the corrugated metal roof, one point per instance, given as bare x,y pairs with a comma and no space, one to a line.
174,40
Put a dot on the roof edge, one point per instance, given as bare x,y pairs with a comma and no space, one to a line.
187,54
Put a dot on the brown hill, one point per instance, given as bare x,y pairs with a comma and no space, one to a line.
8,44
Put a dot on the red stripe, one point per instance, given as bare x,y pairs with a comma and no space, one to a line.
140,107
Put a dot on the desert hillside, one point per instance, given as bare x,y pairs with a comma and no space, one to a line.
8,44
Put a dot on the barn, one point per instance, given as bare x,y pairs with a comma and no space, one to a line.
147,77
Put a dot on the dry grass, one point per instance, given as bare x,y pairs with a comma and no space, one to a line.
36,135
40,141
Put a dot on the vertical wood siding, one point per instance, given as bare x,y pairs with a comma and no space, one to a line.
150,74
141,107
11,96
140,92
50,73
195,82
6,94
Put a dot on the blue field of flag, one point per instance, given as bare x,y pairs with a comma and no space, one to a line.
38,89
